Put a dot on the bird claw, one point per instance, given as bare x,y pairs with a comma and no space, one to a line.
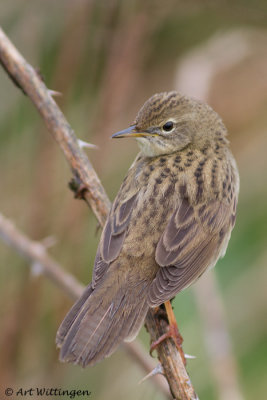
173,333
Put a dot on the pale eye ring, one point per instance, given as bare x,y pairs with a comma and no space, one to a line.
168,126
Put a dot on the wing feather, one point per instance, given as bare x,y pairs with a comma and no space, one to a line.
191,242
112,237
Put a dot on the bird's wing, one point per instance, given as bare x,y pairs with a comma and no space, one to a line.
113,235
192,241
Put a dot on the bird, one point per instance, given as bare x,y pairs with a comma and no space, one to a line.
170,222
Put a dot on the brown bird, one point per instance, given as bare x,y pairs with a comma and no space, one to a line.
170,221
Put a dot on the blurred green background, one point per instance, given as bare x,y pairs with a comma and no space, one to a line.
107,58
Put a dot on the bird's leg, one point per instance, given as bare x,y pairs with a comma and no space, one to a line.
173,332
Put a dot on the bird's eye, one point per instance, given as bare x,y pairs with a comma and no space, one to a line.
168,126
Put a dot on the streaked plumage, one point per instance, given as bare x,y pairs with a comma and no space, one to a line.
170,221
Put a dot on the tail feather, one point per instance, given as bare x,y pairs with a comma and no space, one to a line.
72,316
125,328
137,322
94,328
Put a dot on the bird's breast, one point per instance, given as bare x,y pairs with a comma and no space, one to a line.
158,194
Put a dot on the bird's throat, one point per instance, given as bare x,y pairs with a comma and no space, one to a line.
152,147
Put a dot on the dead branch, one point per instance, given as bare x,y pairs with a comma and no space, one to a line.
29,81
36,253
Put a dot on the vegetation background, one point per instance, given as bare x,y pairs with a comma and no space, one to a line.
107,58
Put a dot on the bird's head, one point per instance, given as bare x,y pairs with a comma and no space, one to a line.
169,122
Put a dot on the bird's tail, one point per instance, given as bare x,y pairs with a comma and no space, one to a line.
94,327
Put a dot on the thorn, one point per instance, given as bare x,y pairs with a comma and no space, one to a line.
83,144
36,269
157,370
49,241
188,356
54,93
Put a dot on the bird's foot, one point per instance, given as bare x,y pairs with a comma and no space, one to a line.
173,332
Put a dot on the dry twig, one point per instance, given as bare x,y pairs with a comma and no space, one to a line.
29,81
36,253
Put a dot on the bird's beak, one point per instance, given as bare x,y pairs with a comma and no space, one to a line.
130,132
